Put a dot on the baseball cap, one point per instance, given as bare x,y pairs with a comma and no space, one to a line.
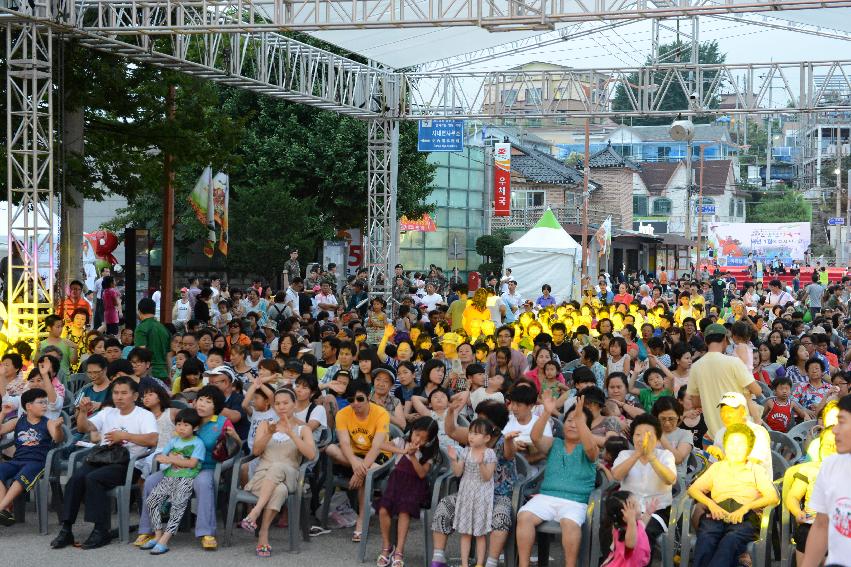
475,368
184,289
715,329
226,370
733,399
385,370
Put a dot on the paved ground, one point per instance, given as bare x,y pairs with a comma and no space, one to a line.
21,546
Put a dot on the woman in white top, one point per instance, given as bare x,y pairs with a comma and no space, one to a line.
619,360
649,473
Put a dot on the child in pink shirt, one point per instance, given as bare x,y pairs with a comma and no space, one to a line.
630,546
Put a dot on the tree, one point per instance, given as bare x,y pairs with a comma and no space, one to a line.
787,206
490,246
674,99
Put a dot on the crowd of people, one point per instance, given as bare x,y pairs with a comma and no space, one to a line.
651,388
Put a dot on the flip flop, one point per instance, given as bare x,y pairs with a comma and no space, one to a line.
318,531
248,525
159,549
356,537
264,551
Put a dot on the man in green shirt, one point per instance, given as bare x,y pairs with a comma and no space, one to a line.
153,335
456,310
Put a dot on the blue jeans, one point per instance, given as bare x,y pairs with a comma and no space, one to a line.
720,544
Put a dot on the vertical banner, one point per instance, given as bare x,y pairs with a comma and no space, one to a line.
502,180
221,198
201,200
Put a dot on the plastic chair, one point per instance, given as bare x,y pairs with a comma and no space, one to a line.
778,465
41,491
295,501
787,447
758,549
802,432
120,493
74,383
373,478
179,404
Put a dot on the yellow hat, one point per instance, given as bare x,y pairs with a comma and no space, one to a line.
451,338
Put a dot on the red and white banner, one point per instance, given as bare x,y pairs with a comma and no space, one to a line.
501,180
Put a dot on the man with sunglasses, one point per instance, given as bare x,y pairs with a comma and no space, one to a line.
362,427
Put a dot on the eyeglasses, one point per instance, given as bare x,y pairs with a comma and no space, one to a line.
358,399
669,419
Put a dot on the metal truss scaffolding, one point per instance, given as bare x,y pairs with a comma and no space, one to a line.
29,191
381,233
154,16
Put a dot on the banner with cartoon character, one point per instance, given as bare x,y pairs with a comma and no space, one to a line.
739,244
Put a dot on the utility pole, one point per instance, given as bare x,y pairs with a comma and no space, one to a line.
687,231
768,143
167,269
700,206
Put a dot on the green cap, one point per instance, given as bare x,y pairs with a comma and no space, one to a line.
715,329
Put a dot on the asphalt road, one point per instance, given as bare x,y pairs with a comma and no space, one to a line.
21,546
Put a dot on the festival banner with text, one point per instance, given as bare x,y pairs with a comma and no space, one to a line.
501,180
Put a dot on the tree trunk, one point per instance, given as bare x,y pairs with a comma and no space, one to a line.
71,231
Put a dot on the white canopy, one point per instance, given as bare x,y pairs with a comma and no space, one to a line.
545,254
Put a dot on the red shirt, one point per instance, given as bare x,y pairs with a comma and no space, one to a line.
624,298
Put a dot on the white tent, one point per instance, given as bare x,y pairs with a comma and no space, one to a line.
545,254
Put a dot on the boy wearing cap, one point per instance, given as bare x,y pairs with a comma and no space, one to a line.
715,374
733,408
223,378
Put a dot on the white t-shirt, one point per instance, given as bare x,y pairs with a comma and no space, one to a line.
256,417
317,414
481,394
525,430
643,481
138,422
183,310
761,447
431,300
832,497
328,300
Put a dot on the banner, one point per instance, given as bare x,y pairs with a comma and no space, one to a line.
740,244
422,224
502,180
603,236
221,197
355,259
201,200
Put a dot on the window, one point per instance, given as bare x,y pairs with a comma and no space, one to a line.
663,152
639,205
524,199
533,96
740,208
708,201
732,211
509,96
661,206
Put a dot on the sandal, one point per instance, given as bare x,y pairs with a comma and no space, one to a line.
264,551
248,525
397,560
159,549
318,531
384,558
356,537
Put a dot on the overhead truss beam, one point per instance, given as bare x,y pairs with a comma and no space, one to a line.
590,92
198,16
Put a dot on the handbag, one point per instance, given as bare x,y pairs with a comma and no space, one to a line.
104,455
226,446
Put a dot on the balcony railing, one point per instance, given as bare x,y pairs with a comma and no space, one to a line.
529,216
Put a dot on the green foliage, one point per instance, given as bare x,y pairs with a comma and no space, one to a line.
828,172
491,247
785,206
675,99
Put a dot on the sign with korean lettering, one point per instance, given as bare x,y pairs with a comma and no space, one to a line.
440,136
740,244
501,180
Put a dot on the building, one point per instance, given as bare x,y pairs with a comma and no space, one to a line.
540,181
822,138
659,195
614,173
654,143
459,199
535,85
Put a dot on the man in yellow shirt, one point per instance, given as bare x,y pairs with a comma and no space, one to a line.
362,428
715,374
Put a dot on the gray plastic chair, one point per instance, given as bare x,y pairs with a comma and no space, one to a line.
373,478
802,432
121,493
41,491
785,446
779,464
295,501
758,549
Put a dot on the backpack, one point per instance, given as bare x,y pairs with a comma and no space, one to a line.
279,315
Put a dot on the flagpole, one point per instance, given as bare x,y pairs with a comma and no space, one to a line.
167,268
586,174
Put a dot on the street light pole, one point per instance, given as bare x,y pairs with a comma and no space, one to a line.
688,188
700,205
